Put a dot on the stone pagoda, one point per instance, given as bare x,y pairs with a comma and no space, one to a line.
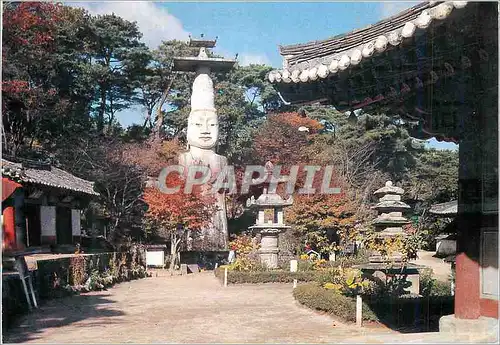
269,224
389,224
390,220
203,131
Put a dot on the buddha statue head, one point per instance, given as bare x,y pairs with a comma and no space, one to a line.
203,129
203,122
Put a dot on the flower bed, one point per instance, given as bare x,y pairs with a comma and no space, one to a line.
82,273
65,276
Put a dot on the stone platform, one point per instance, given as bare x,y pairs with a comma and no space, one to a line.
484,326
385,271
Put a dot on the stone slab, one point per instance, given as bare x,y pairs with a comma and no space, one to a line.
194,268
449,324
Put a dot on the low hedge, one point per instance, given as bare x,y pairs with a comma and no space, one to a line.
417,313
315,297
420,313
271,276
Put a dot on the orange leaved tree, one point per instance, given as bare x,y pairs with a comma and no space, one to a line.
282,138
324,221
176,214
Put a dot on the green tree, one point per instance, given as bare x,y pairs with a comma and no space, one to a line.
434,179
117,53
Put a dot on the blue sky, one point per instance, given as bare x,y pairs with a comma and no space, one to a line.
253,30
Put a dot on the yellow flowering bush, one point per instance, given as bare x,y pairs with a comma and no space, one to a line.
307,263
348,281
337,288
319,265
385,246
247,258
243,244
245,263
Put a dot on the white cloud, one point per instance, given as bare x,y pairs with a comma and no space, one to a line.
246,59
155,23
388,9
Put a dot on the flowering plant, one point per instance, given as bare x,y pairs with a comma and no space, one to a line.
349,281
246,251
243,244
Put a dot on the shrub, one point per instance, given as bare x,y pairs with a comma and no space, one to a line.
304,264
87,272
420,313
243,244
246,263
440,288
361,257
430,286
315,297
348,281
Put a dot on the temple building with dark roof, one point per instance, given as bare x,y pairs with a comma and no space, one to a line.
41,205
433,67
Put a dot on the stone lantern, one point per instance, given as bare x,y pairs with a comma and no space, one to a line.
269,224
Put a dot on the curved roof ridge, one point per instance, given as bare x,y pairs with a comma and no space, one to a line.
308,61
285,49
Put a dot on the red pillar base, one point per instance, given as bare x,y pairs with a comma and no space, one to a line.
467,304
9,228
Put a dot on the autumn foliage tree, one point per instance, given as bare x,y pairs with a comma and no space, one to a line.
177,214
282,137
325,221
29,91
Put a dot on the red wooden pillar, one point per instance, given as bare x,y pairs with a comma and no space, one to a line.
8,213
467,278
9,228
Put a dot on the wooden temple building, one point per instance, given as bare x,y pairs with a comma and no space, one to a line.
433,67
41,205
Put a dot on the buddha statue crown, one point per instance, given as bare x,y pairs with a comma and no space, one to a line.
202,97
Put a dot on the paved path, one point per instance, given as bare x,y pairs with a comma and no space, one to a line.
182,309
441,269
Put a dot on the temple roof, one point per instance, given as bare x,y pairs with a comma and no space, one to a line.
308,61
46,175
445,209
429,67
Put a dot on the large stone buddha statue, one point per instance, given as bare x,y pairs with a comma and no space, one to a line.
202,137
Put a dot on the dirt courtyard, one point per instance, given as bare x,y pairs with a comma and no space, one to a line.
182,309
